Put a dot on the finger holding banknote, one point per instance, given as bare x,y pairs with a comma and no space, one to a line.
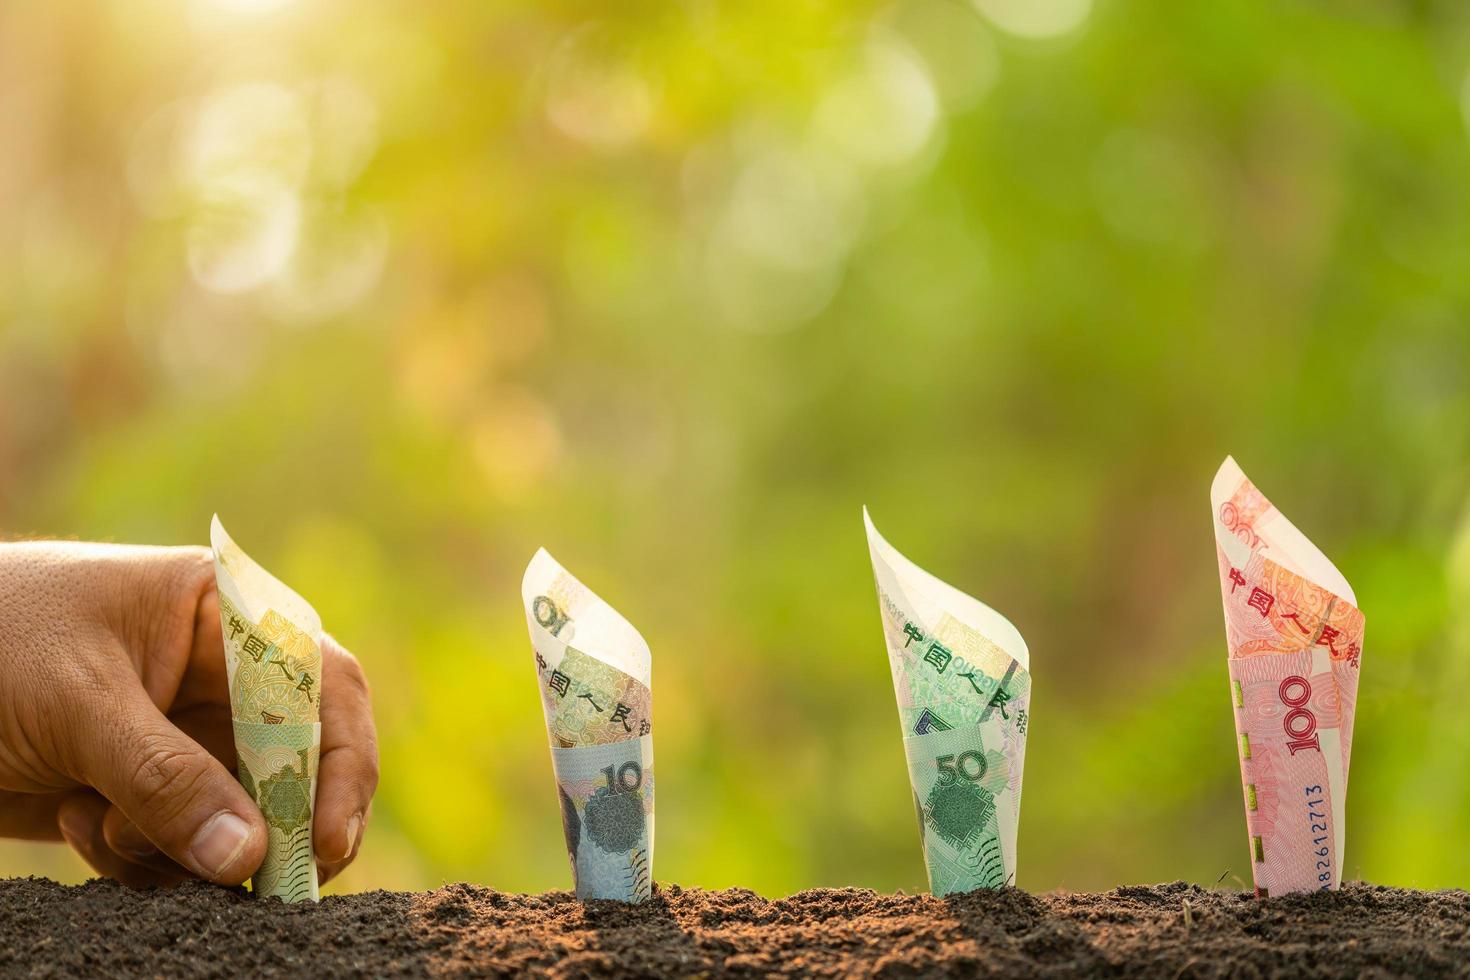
76,817
83,818
349,761
96,644
179,795
198,707
116,847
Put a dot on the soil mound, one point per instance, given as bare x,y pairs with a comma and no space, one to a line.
1173,931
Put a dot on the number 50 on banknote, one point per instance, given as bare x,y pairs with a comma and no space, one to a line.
962,677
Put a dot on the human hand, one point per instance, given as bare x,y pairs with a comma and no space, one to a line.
115,729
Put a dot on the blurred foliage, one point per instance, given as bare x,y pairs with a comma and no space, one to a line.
404,291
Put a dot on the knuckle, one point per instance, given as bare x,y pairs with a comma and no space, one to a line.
356,766
160,591
165,781
351,672
359,764
369,769
189,574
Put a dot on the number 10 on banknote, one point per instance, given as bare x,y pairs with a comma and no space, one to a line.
961,673
593,669
1295,637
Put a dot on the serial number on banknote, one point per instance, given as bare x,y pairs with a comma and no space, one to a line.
1324,867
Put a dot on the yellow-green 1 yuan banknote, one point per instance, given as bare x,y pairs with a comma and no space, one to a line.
961,673
273,655
593,669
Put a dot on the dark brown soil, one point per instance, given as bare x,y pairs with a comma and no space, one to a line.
1174,931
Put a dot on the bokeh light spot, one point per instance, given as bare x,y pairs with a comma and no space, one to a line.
953,41
777,252
1036,18
243,233
251,129
883,113
515,441
594,92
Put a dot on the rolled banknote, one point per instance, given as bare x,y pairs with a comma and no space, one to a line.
273,657
961,673
593,669
1295,637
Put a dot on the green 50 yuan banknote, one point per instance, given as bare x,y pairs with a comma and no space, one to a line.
962,679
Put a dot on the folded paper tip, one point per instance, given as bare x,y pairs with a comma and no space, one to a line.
218,537
1227,478
246,582
962,606
539,560
873,535
1271,533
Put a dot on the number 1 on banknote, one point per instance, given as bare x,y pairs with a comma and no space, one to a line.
273,659
961,673
593,669
1295,639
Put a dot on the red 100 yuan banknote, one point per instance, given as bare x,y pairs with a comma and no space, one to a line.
1295,636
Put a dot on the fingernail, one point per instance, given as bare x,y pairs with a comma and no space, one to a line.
129,839
354,827
218,843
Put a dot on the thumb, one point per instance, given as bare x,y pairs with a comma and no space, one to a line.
181,797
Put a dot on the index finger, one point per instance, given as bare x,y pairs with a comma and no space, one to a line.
30,816
349,760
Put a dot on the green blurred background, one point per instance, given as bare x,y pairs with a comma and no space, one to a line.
405,291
